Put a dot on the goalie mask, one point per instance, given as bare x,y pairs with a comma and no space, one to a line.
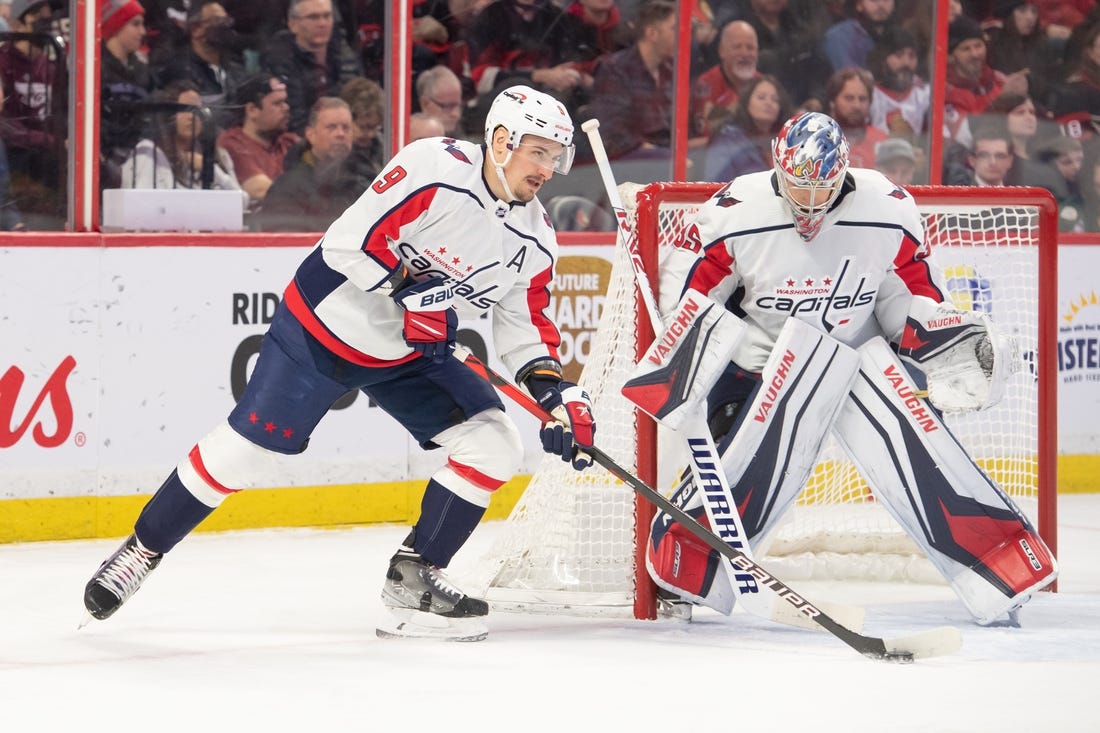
521,111
810,156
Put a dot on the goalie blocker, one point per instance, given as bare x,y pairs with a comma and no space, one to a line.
969,528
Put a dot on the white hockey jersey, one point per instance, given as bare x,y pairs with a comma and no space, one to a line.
430,212
854,280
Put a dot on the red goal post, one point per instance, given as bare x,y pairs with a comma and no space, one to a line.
575,542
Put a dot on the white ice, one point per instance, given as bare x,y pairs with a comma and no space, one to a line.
274,631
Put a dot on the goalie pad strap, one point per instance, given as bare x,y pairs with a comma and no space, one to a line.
971,531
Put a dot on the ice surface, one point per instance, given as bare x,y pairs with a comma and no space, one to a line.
274,631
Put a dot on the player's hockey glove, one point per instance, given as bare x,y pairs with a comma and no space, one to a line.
430,321
573,427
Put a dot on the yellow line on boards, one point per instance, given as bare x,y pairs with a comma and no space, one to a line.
90,517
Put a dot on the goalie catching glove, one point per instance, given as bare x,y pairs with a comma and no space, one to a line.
431,324
573,427
965,359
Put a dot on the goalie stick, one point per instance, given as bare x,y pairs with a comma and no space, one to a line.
691,424
934,642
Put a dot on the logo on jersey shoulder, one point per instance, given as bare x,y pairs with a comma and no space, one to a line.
835,298
457,154
899,193
723,199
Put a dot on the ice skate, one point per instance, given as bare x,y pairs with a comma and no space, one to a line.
423,604
119,577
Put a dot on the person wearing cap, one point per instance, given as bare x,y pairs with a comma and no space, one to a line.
896,159
900,102
208,59
34,102
125,85
259,144
971,82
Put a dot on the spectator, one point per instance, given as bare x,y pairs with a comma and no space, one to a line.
5,13
849,96
971,83
721,85
743,144
1022,120
901,99
848,42
1077,103
439,94
208,59
1059,17
789,50
990,155
522,42
896,159
593,29
437,35
632,94
316,189
1065,156
1092,197
422,125
367,102
172,157
166,24
33,106
125,84
11,220
310,59
260,144
1019,44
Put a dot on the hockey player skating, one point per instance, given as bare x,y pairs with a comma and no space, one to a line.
448,228
825,265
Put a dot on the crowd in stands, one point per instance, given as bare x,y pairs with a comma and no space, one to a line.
283,100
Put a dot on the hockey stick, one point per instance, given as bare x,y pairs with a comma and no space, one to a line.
706,464
935,642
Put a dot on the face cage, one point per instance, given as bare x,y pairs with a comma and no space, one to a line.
807,219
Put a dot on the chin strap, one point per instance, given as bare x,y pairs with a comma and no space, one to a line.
499,167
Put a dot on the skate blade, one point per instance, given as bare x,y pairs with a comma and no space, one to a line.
410,624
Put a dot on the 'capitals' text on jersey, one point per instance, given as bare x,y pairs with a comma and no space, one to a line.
857,276
430,212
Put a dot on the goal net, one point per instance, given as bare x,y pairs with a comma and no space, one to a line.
573,542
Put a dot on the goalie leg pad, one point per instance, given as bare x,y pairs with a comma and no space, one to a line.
777,437
971,531
681,563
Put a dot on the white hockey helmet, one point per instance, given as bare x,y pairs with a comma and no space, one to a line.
810,155
522,110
